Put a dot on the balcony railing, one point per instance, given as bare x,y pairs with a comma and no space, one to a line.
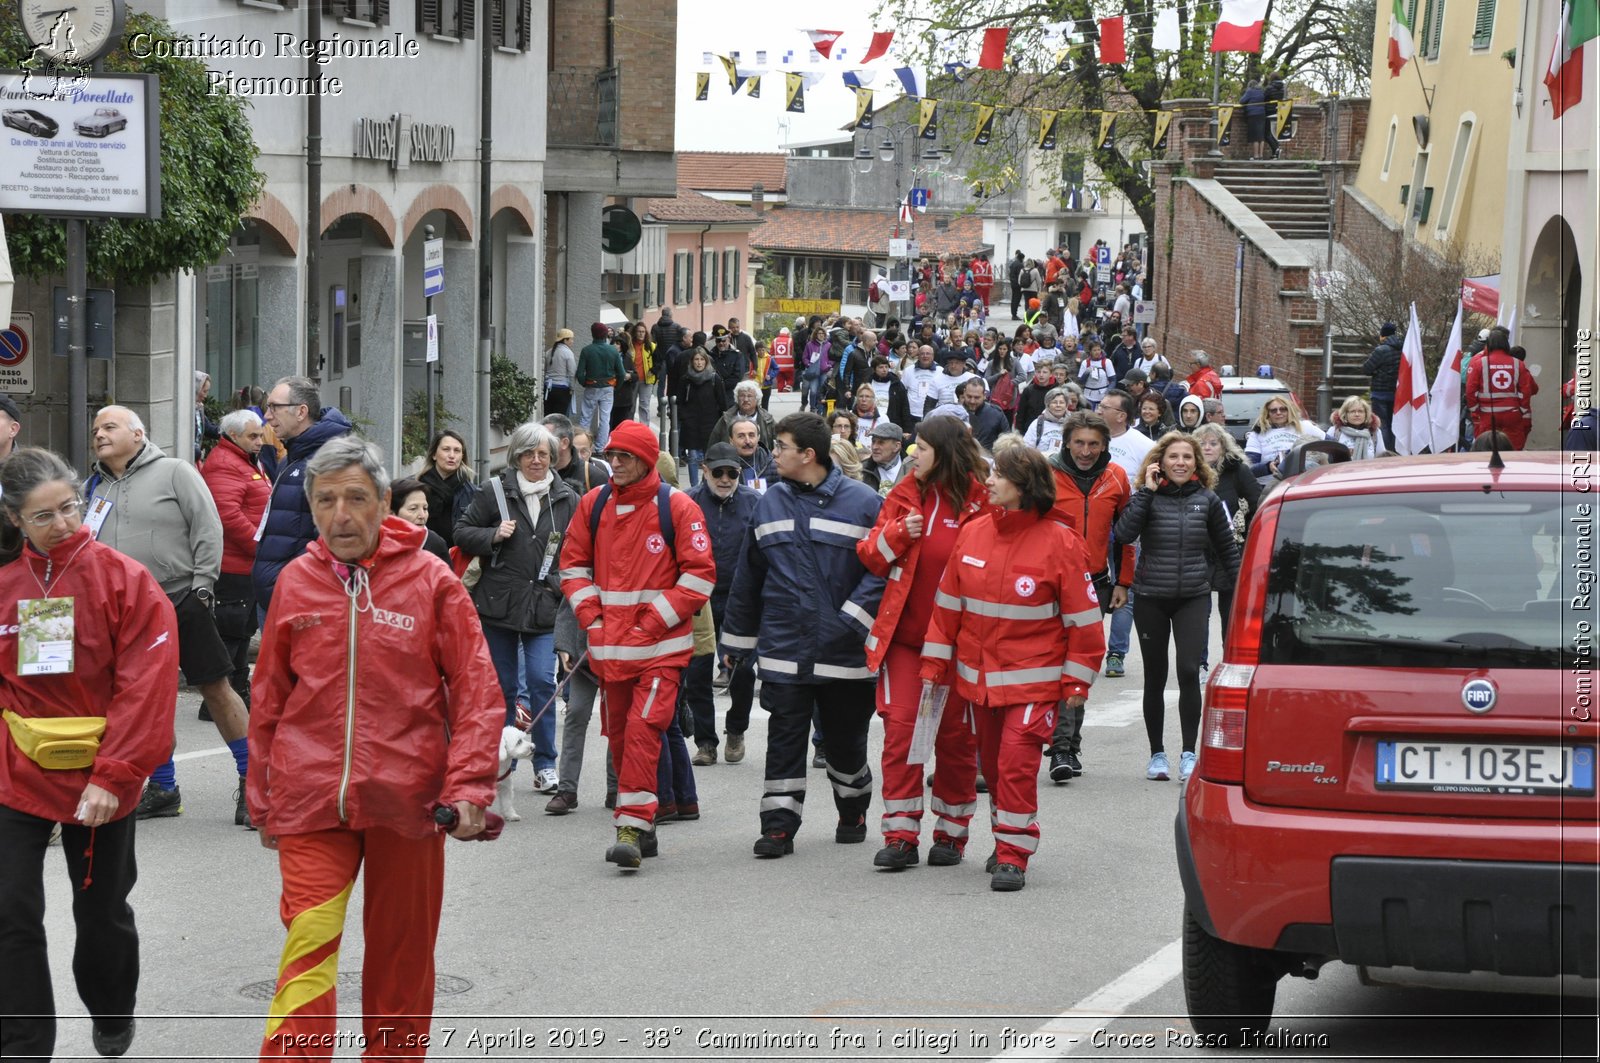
583,107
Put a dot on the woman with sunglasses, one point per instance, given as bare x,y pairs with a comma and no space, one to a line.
1278,429
91,638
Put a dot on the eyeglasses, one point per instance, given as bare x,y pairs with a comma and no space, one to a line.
283,405
780,446
724,474
47,517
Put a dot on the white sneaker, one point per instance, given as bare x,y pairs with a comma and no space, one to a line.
1157,771
1186,765
546,781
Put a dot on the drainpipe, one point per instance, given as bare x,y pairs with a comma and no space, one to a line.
701,302
485,239
313,363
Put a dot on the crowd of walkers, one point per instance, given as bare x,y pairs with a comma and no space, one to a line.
958,533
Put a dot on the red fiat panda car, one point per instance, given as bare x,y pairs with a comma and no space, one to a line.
1397,763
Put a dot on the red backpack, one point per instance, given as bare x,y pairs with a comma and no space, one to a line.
1005,393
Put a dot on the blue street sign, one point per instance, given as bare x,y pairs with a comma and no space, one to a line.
1102,255
919,197
432,282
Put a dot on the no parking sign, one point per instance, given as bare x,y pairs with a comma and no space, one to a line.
16,356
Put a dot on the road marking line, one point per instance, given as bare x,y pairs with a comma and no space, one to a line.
193,753
1073,1027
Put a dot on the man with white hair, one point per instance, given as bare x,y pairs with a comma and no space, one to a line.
240,491
204,427
1203,383
157,510
746,403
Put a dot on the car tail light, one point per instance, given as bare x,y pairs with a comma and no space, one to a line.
1222,729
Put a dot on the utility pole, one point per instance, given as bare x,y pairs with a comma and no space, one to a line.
1325,389
313,365
485,241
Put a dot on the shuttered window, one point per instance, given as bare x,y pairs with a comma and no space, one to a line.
374,11
447,18
1432,29
1483,25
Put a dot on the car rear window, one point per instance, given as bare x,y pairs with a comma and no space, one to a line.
1426,580
1245,405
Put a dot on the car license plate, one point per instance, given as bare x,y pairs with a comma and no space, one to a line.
1456,767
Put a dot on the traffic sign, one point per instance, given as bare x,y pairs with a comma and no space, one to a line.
1144,312
897,247
919,198
16,356
433,338
432,268
620,230
1102,255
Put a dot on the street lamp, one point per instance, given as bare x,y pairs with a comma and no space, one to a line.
863,161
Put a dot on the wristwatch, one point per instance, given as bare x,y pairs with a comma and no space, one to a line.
207,598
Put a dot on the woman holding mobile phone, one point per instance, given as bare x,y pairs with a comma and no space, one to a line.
1184,534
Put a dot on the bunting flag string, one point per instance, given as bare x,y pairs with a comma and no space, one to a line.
1285,108
794,93
1225,123
1047,130
1163,120
985,124
1107,120
733,72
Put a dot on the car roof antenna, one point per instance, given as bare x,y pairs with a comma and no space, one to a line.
1496,462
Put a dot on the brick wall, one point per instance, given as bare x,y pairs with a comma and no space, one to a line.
646,51
1311,122
1279,319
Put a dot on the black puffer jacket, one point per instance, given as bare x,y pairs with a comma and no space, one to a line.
510,593
1182,531
1383,366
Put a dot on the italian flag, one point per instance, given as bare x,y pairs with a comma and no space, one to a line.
1580,22
1401,45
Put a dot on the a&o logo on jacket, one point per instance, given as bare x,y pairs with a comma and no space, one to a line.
397,620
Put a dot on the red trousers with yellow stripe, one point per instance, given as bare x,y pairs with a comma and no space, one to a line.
955,763
402,891
1011,742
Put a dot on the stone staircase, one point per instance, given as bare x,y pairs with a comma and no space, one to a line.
1348,379
1287,195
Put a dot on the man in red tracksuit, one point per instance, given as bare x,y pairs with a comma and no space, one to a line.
1500,391
635,584
1091,493
374,700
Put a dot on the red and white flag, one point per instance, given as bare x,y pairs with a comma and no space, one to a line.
879,47
1239,26
824,40
1445,398
1580,23
1413,430
1402,44
993,56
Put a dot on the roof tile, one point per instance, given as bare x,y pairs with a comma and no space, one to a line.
691,206
731,171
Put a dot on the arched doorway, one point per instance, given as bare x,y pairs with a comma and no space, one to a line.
1548,323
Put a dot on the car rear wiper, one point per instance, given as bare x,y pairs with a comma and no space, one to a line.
1406,641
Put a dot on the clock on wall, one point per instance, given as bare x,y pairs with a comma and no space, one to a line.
77,31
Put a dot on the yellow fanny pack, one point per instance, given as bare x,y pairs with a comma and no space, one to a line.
57,742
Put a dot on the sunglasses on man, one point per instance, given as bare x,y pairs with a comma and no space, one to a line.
725,473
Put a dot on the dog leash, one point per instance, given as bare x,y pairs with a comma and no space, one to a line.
555,694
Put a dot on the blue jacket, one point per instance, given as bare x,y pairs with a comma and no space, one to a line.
801,598
728,520
289,529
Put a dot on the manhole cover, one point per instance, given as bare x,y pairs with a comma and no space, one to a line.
349,986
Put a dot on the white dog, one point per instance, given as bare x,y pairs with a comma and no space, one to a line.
515,745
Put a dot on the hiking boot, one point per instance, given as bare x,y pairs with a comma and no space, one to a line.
109,1041
689,810
850,834
625,853
1007,878
156,803
563,802
896,856
1075,764
1157,771
666,813
1114,669
648,845
1060,770
204,716
943,854
773,844
733,751
704,757
993,862
241,814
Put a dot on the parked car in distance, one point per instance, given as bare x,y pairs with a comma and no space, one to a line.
104,122
1396,770
31,122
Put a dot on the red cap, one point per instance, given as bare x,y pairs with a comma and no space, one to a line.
636,439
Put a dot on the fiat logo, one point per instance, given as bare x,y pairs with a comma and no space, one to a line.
1478,695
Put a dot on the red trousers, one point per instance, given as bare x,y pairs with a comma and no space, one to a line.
955,765
634,713
1011,741
402,891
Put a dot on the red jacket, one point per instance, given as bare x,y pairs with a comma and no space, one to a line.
635,601
240,491
1500,394
125,668
890,551
366,710
1016,614
1093,515
1204,383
